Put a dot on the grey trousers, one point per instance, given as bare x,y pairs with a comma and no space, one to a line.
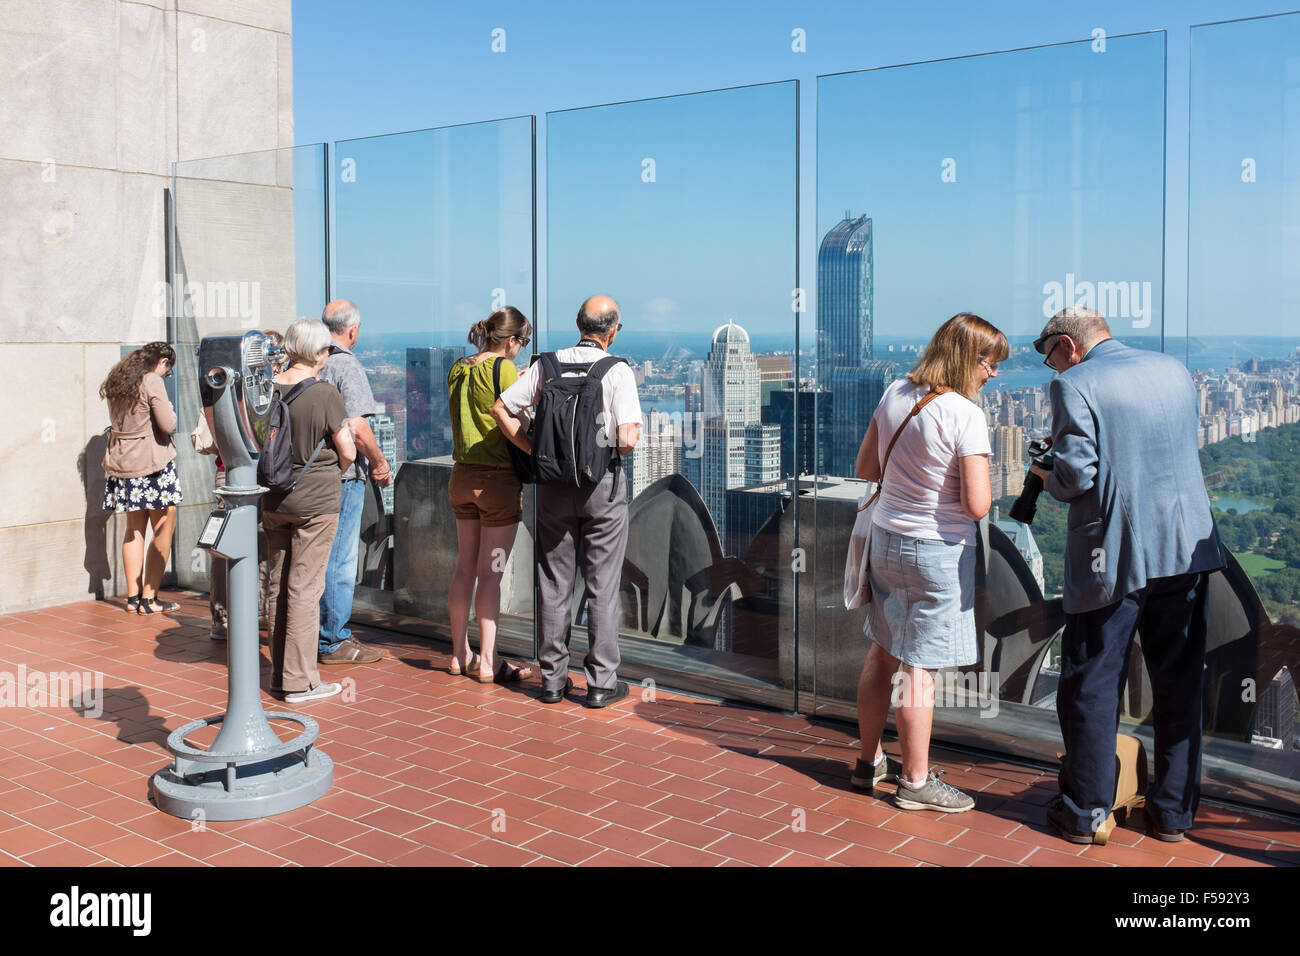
572,521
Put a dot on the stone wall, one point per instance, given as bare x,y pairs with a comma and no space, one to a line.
103,96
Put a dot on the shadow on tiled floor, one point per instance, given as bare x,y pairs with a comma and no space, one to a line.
437,770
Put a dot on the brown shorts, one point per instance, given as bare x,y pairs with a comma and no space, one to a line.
485,493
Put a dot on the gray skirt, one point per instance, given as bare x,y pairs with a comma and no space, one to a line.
923,600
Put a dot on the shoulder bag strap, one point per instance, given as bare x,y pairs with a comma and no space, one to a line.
933,394
496,376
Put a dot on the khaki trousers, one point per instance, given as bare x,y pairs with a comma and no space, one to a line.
298,551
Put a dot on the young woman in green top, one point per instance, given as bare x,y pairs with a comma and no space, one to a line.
486,495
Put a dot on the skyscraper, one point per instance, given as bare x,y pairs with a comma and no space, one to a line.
730,381
428,417
844,297
762,453
774,371
1276,713
386,437
845,327
814,429
1008,445
693,435
657,455
857,392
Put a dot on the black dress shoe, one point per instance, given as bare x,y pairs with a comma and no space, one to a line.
1061,820
1163,833
599,697
556,695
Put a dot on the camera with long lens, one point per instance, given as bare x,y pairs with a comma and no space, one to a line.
1026,505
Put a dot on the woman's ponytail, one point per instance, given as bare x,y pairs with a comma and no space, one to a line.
505,323
479,334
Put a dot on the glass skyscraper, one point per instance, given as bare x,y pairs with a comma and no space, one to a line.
845,364
844,297
856,392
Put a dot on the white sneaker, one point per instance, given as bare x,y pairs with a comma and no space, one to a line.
324,689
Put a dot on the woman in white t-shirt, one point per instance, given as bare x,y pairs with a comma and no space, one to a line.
922,567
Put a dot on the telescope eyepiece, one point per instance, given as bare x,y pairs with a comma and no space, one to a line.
219,377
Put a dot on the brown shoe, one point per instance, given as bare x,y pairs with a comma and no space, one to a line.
352,651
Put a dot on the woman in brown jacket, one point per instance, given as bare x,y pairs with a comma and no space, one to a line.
140,466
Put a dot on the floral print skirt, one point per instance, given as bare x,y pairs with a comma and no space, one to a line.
151,493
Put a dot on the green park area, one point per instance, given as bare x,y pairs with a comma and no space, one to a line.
1266,538
1263,476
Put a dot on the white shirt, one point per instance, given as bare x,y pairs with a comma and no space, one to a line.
620,403
922,482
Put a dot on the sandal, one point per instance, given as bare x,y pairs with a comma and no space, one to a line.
155,604
505,674
471,669
134,603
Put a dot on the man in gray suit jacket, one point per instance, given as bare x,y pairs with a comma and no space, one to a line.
1141,541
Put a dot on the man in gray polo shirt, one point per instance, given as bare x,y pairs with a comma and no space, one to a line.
343,370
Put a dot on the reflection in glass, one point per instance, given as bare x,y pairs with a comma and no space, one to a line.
248,251
993,185
683,209
1243,348
432,232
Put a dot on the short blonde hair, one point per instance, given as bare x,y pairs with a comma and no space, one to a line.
305,339
953,355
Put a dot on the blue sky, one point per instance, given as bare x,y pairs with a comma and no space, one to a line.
712,235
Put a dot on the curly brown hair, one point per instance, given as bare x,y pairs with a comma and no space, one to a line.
123,381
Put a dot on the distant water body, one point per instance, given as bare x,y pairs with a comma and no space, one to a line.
1205,352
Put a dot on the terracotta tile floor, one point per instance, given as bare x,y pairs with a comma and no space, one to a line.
436,770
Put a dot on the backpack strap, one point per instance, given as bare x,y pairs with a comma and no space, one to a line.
599,369
496,376
290,397
315,451
550,366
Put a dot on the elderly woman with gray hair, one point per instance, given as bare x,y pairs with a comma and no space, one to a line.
301,524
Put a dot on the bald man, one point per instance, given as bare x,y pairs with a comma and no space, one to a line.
595,516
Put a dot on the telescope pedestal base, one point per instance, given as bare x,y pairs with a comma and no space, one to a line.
261,789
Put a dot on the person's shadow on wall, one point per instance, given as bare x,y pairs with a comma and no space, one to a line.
90,466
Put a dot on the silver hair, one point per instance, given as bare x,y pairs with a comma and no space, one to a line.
305,339
599,323
340,315
1083,325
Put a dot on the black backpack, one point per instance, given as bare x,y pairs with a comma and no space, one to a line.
520,459
570,447
275,468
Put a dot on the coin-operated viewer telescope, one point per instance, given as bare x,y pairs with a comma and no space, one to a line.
247,772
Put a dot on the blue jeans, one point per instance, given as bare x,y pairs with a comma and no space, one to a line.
341,572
